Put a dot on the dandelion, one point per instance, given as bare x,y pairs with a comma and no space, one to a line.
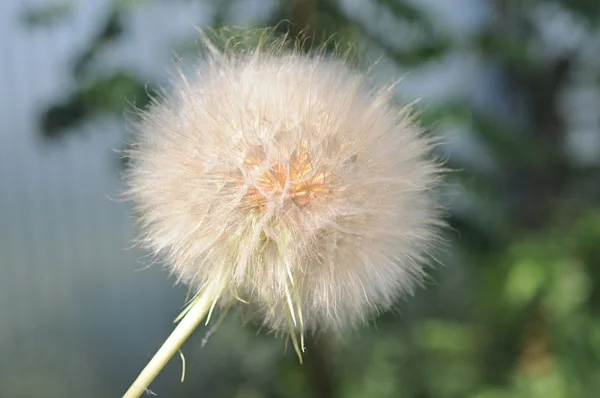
283,182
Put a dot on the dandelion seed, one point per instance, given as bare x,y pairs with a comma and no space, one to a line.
284,179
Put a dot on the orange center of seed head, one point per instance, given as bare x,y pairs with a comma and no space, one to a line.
296,180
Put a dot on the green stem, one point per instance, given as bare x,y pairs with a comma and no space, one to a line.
196,313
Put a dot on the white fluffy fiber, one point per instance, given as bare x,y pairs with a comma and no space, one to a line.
286,181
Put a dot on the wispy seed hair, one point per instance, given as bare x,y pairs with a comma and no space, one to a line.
287,181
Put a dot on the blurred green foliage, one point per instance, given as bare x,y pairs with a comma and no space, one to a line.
524,318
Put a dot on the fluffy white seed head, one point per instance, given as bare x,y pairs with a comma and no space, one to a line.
287,180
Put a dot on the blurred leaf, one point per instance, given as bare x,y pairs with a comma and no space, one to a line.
62,116
585,8
113,94
405,10
291,381
383,373
492,393
49,14
509,145
444,336
595,337
419,54
111,31
524,281
124,5
249,393
570,288
545,382
502,47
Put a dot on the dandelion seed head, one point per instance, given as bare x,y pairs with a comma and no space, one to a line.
288,179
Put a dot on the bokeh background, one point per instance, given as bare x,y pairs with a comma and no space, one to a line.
512,86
